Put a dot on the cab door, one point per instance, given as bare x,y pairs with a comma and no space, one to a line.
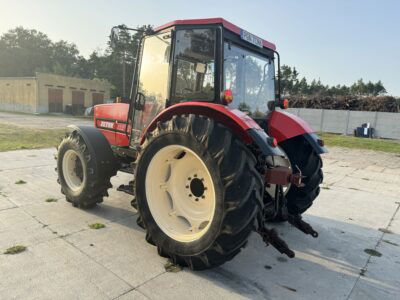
153,82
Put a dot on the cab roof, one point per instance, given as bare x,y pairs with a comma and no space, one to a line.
223,22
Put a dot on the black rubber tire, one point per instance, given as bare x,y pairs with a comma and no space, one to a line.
97,181
302,155
238,187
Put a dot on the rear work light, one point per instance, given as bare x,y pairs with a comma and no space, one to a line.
227,97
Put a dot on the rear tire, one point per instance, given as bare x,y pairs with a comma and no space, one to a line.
302,155
236,199
79,172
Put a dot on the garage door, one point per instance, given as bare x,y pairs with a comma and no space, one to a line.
78,100
98,98
55,100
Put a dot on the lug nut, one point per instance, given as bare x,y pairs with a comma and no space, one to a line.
197,199
190,178
187,186
195,175
202,197
190,195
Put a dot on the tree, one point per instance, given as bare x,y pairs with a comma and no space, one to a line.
303,88
286,80
26,51
291,85
379,89
23,51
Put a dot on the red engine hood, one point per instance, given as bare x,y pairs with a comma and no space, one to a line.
112,111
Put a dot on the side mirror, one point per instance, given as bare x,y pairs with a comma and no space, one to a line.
140,101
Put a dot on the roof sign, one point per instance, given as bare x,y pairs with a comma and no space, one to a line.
251,38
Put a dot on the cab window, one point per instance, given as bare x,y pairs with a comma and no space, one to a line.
194,61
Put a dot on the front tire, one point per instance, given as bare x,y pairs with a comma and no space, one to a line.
83,180
181,158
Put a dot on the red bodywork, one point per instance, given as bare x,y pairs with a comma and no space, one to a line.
238,121
223,22
111,119
283,126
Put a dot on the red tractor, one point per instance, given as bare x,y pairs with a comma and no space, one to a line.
210,156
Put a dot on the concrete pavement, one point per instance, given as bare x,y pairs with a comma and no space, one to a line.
358,209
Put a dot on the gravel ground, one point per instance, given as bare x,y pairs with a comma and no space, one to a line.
42,121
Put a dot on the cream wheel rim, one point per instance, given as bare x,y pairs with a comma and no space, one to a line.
180,193
73,171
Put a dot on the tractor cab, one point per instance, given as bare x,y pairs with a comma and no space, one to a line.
208,61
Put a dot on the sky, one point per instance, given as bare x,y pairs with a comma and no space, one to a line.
337,42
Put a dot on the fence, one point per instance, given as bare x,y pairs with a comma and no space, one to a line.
387,125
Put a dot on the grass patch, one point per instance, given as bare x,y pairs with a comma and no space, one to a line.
51,200
171,267
360,143
373,252
391,243
20,182
15,138
96,226
384,230
15,249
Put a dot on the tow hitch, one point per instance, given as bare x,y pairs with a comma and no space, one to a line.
281,176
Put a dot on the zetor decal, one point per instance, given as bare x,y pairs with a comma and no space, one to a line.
106,124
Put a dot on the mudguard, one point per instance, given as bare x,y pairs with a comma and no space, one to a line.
284,126
98,146
240,123
312,139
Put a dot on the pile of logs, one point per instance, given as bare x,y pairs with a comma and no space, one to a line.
380,103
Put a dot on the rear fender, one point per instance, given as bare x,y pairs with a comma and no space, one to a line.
284,126
241,124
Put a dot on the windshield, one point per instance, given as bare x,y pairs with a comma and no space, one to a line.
251,79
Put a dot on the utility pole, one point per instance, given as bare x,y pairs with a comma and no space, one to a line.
123,74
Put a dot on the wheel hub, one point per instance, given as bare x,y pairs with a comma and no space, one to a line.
73,171
196,187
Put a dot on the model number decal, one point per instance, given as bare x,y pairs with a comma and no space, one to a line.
106,124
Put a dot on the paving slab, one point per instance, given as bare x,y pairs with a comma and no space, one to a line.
133,260
385,264
56,270
65,259
5,203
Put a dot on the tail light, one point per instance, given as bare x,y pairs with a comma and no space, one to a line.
284,104
273,142
227,97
